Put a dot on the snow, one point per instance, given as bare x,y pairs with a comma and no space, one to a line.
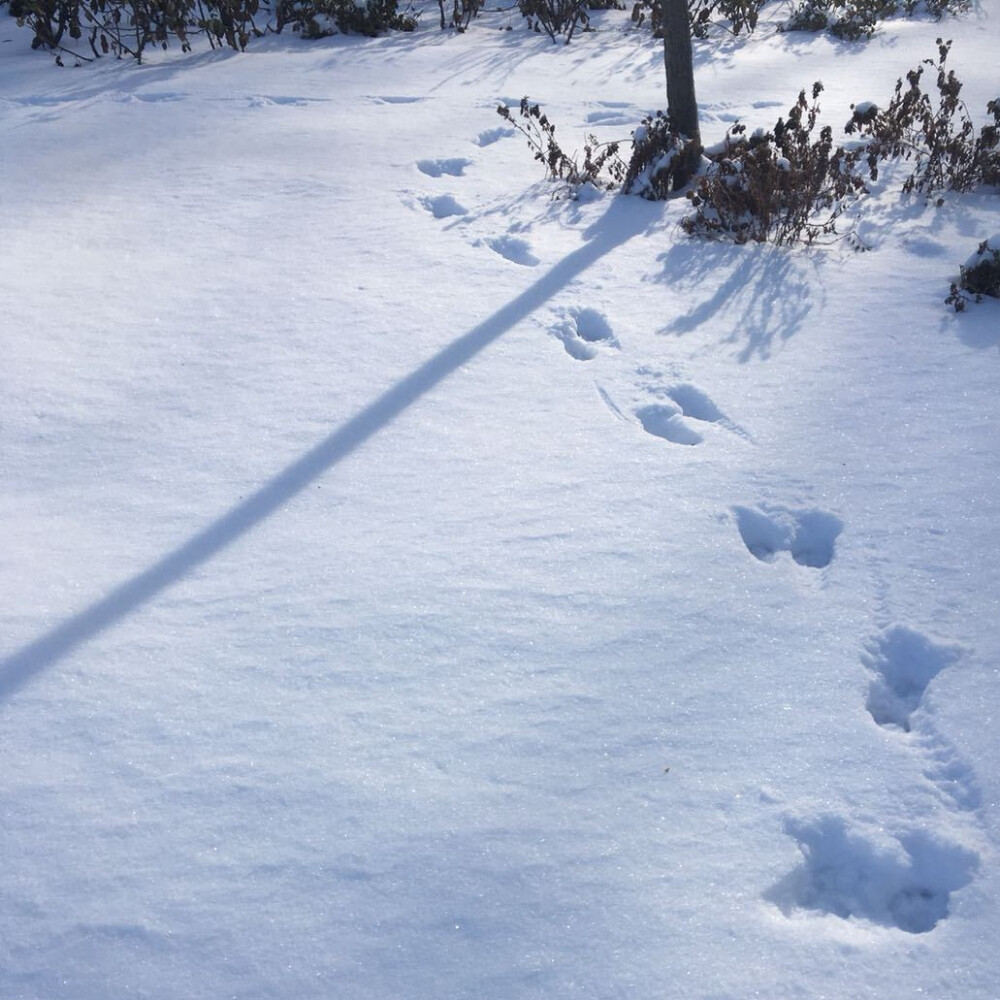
985,250
415,586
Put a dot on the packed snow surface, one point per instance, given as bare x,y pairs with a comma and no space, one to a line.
417,586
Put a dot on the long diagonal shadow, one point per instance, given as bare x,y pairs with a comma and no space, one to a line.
623,220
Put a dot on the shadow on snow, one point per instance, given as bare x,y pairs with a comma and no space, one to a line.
767,292
624,219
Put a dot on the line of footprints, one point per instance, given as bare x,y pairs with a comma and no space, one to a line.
899,880
902,881
895,879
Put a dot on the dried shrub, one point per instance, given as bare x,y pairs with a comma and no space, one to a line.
461,14
320,18
735,16
847,19
555,17
980,275
857,19
661,156
782,186
116,27
129,27
936,135
601,168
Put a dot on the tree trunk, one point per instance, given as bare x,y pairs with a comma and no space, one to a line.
682,107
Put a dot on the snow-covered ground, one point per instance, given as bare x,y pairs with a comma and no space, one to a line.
416,587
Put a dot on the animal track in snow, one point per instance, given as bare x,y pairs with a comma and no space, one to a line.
514,249
726,111
611,405
443,206
168,97
903,882
492,135
695,403
453,167
611,113
953,777
390,99
902,663
807,535
674,406
581,330
271,100
666,420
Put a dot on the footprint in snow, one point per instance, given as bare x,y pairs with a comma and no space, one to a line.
390,99
901,663
581,330
902,882
666,420
492,135
443,206
514,249
271,100
454,167
808,535
695,403
611,113
169,97
673,407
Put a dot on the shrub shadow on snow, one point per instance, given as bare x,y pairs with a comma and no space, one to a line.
922,230
472,65
761,295
624,219
979,326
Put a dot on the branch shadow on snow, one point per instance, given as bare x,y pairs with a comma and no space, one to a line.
625,218
764,296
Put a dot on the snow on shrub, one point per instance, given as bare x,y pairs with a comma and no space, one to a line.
660,155
937,136
780,187
980,275
855,20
